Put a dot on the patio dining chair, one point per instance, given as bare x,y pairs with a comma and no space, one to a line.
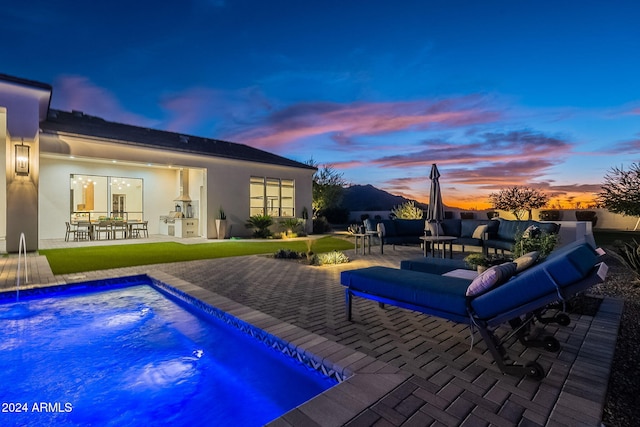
118,227
103,227
138,229
83,231
71,231
144,229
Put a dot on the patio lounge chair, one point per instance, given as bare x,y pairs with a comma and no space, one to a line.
485,303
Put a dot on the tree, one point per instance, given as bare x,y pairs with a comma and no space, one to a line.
328,187
518,200
408,210
621,190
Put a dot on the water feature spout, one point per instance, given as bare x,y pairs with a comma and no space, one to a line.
22,252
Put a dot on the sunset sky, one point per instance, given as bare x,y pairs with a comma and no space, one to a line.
541,93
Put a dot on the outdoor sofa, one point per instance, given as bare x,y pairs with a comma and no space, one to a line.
512,293
396,231
503,233
408,231
496,234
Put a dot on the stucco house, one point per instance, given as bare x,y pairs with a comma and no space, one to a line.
63,166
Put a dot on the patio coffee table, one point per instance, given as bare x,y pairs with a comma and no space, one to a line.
444,240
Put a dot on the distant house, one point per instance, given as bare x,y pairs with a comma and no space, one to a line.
68,166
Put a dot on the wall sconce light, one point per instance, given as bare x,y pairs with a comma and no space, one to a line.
22,159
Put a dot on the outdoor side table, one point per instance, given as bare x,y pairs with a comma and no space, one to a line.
366,242
437,240
372,234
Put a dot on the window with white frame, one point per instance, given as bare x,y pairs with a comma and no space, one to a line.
95,197
271,196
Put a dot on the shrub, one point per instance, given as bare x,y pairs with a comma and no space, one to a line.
407,210
321,225
288,254
291,226
327,258
335,215
629,254
475,259
260,225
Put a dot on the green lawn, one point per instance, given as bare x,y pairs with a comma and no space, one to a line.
75,260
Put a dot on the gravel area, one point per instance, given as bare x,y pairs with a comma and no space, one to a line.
622,407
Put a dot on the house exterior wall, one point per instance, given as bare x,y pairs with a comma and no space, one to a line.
21,198
40,207
4,142
213,182
228,184
159,189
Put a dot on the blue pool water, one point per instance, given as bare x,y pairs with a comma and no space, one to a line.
126,356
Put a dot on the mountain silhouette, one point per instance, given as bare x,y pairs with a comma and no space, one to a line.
370,198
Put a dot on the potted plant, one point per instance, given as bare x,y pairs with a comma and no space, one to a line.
549,215
221,224
543,243
305,221
477,261
587,216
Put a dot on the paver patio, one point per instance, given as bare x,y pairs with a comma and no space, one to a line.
446,382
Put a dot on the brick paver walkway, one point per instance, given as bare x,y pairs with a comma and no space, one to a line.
448,384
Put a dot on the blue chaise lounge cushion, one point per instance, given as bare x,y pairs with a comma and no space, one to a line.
574,264
446,294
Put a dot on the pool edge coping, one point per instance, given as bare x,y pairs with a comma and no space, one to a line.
367,379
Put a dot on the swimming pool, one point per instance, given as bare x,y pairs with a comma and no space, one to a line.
128,352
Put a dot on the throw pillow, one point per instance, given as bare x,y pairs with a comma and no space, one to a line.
479,231
435,228
492,277
526,261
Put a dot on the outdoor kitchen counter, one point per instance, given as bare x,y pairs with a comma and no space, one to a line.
179,227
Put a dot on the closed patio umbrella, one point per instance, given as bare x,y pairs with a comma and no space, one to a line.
435,211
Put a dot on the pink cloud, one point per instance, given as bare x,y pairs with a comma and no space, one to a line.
500,148
344,122
630,147
79,93
487,162
632,109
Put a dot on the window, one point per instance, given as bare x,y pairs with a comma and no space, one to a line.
94,197
286,197
271,196
256,202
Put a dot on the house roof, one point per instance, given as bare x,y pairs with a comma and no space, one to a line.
25,82
78,123
41,91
